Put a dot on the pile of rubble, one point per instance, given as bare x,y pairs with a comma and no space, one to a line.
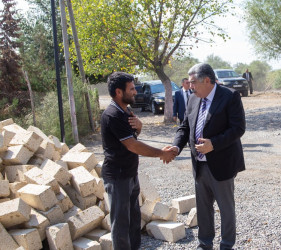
54,194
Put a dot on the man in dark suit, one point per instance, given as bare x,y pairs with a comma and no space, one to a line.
181,100
213,124
248,76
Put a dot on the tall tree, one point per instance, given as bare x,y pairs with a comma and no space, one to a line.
259,71
10,69
118,35
264,24
217,62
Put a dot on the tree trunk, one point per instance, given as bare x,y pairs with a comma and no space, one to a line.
80,63
168,109
68,73
31,96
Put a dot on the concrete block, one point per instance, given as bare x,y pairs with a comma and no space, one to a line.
76,159
15,173
166,230
3,147
98,168
56,156
38,196
57,143
59,237
54,215
140,200
27,238
86,244
71,212
17,155
38,132
14,128
82,181
94,173
4,199
143,223
46,148
4,188
14,187
106,224
36,160
147,210
7,242
56,171
99,187
7,136
14,212
96,234
39,222
106,203
64,201
191,220
78,200
40,177
6,123
78,148
164,212
106,242
85,221
64,148
27,138
184,204
148,191
101,205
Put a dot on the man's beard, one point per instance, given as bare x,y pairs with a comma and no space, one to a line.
128,100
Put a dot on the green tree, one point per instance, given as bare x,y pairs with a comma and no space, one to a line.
118,35
10,69
264,25
240,68
217,62
259,72
273,79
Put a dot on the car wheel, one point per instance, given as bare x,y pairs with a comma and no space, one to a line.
245,93
153,108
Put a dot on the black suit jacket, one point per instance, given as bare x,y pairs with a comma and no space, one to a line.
179,105
250,76
225,124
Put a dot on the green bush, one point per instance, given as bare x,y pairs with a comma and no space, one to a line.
274,79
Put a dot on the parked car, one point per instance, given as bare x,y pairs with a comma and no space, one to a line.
151,96
229,78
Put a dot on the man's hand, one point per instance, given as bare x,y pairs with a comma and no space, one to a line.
135,122
169,154
205,146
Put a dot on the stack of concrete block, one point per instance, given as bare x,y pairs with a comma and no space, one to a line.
57,195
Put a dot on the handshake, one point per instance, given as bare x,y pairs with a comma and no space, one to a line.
169,153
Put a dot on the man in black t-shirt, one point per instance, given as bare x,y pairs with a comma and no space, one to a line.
119,129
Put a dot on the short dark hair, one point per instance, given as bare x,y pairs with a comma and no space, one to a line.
202,70
118,80
184,79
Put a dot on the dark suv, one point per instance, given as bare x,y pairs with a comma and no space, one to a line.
151,96
231,79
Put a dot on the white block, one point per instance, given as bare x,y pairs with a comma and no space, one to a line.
17,155
164,212
38,196
86,244
148,191
147,210
7,242
38,221
54,215
85,221
82,181
166,230
56,171
4,188
96,234
191,220
14,187
184,204
78,148
46,148
14,212
98,168
37,131
27,238
57,143
6,123
40,177
59,237
15,173
106,242
64,201
106,224
71,212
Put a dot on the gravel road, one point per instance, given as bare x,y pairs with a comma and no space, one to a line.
257,190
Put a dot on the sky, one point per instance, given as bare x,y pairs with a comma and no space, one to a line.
237,49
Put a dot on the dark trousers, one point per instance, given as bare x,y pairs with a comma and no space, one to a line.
251,87
125,214
208,190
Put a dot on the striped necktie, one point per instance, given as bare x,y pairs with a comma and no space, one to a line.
200,123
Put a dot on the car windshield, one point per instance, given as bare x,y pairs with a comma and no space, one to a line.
159,88
227,74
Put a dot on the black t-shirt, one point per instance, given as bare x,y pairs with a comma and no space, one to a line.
119,162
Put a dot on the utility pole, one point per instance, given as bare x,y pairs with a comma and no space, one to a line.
68,72
56,55
80,63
